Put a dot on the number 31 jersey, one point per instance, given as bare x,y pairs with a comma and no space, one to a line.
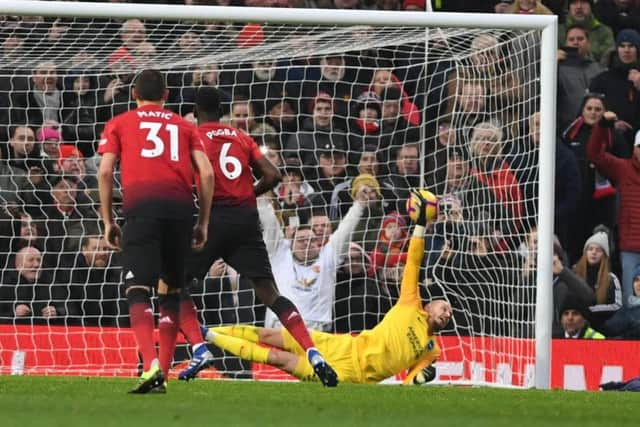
154,146
231,152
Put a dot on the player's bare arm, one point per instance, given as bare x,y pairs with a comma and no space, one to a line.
205,171
271,176
112,231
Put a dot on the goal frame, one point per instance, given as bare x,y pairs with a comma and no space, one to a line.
548,24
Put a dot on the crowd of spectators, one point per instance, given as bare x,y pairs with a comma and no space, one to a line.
347,130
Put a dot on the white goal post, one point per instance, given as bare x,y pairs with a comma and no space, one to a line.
316,19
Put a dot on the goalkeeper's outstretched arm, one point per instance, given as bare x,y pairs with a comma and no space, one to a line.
409,287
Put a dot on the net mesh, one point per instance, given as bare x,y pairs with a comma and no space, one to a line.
390,108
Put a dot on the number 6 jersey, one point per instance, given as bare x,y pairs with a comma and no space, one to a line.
154,146
231,153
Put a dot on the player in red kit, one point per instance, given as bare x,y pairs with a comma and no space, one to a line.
235,232
158,153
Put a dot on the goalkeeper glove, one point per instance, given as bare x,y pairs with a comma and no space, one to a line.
422,208
426,375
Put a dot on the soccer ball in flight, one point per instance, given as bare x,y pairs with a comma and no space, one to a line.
413,204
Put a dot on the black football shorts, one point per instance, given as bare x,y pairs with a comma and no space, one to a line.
155,248
235,235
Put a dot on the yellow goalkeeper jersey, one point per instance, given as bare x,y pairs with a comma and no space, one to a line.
402,340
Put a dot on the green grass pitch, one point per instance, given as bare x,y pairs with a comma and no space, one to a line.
68,402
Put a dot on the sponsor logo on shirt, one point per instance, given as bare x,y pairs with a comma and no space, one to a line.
415,342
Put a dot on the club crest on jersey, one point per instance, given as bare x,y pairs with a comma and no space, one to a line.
315,269
306,283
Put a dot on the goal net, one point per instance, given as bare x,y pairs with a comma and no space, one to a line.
337,109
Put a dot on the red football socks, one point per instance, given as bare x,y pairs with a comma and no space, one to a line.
189,323
168,327
141,315
292,321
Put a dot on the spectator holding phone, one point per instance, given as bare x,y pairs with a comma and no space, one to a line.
576,69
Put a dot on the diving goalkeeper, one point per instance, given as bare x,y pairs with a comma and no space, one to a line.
404,339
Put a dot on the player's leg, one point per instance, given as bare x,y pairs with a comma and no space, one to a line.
250,259
292,321
248,350
201,356
257,334
246,332
292,364
177,247
168,323
197,265
190,326
141,266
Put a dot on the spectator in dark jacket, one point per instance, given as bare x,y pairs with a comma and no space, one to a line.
438,149
621,82
93,281
331,171
69,216
336,80
316,132
27,291
576,69
359,302
23,152
404,175
566,285
79,115
618,14
567,179
625,323
580,12
597,200
364,128
13,182
575,321
41,101
395,130
625,174
342,199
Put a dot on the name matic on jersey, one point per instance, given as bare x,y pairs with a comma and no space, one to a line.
221,132
155,114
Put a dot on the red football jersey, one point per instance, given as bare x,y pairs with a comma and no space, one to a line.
231,152
154,146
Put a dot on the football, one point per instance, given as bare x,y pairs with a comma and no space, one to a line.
413,204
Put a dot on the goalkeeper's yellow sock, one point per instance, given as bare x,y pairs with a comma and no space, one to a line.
242,348
245,332
303,371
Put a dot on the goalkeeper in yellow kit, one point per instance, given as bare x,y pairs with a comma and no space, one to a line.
404,339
